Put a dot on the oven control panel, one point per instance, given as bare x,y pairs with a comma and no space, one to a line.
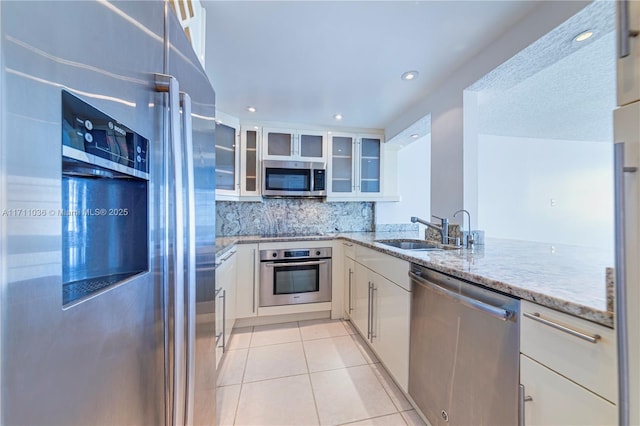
285,254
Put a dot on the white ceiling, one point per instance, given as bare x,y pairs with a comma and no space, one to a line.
304,61
556,88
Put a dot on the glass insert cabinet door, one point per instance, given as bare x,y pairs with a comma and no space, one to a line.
370,164
225,157
279,143
311,145
294,144
251,161
342,164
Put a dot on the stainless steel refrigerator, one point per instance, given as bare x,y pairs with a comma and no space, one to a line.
107,217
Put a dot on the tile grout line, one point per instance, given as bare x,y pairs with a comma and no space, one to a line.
244,370
313,394
370,418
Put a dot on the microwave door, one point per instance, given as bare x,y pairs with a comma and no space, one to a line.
287,181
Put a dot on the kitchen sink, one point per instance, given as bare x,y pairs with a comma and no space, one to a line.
412,244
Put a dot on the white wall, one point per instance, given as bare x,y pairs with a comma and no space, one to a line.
554,191
414,184
445,103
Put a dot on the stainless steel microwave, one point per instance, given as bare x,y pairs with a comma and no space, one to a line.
293,179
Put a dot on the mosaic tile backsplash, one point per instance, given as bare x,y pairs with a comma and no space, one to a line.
282,216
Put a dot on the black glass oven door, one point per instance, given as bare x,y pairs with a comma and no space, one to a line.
296,279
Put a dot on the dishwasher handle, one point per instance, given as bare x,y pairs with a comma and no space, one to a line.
495,311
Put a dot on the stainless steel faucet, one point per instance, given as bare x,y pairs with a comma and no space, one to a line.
470,241
443,228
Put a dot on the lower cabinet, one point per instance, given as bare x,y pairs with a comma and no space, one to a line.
349,283
381,312
247,259
567,369
225,301
552,399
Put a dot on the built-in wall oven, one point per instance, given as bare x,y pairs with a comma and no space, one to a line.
292,276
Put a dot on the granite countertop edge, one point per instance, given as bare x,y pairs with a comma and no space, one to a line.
368,239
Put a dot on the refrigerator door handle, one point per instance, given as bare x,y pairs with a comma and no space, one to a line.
169,84
625,32
621,285
190,208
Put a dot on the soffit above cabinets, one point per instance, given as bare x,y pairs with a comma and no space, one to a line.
305,61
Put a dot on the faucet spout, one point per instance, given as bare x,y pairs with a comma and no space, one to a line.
443,229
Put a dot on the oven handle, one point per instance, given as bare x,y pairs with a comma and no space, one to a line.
274,264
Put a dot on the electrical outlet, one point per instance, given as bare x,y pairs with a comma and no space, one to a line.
552,202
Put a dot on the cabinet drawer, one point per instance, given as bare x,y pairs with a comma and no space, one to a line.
392,268
558,401
592,365
349,249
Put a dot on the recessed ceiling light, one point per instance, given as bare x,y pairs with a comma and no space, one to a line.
415,135
251,109
338,116
583,36
409,75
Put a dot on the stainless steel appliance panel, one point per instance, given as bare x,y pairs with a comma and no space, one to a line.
295,276
101,361
293,179
183,64
464,347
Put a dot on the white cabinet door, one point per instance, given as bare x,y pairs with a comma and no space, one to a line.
250,162
545,337
349,284
555,400
294,145
629,66
225,301
227,144
278,144
311,145
247,280
370,165
390,316
356,167
360,300
341,167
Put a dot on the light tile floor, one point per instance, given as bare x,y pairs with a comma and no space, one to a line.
306,373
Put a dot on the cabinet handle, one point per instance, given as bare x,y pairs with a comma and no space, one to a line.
226,257
287,264
625,32
621,282
588,337
369,312
254,280
373,289
224,320
522,398
350,273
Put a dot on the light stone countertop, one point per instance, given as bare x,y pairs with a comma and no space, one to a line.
569,279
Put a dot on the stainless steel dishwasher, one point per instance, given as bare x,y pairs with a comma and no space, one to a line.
463,362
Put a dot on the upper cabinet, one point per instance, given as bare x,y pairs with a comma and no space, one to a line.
359,168
290,144
628,52
227,158
192,17
250,162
